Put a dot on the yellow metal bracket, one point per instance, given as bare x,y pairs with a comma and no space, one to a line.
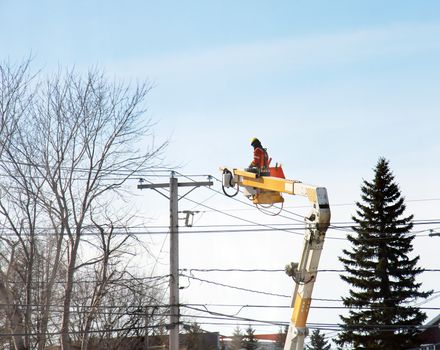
267,183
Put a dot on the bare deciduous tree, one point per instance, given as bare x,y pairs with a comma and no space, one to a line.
66,151
17,209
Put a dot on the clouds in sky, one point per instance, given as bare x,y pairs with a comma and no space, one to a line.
340,87
291,53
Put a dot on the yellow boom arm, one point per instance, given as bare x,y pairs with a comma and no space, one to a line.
268,189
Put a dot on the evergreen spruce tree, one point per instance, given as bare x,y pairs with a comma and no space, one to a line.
249,341
236,339
317,341
380,271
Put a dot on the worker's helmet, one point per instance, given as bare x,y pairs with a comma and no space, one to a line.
254,141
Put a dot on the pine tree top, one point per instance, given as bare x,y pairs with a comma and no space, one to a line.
318,341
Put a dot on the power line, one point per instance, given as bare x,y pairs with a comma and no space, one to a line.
393,327
190,270
100,306
342,307
233,216
302,216
260,292
110,282
268,226
136,174
219,314
231,270
8,232
92,331
333,204
235,287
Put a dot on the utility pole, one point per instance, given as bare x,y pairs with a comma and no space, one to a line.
174,264
174,248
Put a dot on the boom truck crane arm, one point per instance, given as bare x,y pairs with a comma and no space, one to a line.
267,190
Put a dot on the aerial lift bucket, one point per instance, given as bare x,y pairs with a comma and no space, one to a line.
277,171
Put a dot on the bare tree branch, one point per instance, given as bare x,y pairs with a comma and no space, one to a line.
61,144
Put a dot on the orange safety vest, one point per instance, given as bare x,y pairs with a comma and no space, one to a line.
260,158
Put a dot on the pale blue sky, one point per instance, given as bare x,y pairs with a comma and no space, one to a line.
328,86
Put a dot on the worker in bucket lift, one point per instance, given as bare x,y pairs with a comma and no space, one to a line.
260,163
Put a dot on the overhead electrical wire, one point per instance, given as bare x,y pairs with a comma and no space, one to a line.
309,325
268,226
271,228
258,291
91,331
266,271
191,270
142,310
90,281
232,316
253,290
260,306
233,216
235,287
193,231
323,307
332,225
137,174
248,204
249,221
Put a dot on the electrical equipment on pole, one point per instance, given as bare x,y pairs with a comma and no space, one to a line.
173,185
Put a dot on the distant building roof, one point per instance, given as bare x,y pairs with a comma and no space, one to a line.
430,336
434,321
272,337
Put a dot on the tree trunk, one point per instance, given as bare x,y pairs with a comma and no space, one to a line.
47,294
15,317
65,339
